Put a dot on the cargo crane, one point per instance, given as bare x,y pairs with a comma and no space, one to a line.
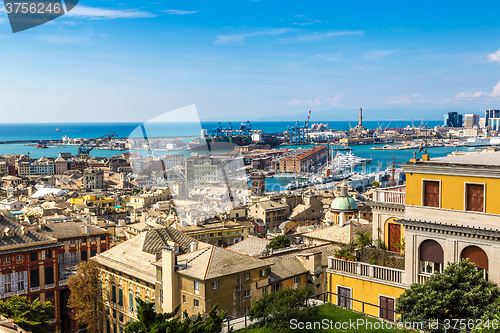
86,148
298,133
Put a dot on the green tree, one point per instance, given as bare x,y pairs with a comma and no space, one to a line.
279,242
151,322
459,292
86,296
275,310
33,317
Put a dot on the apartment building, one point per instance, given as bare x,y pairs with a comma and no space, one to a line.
42,167
448,210
270,211
128,272
29,265
204,277
221,233
145,200
93,179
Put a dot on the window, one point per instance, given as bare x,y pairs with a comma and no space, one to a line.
19,257
196,287
103,249
215,285
114,313
113,294
120,296
431,193
35,278
84,255
48,254
49,275
474,197
296,282
103,238
93,253
386,305
344,297
264,272
60,259
184,299
131,302
72,258
6,259
49,296
246,293
196,303
20,280
275,286
264,290
7,285
120,317
246,277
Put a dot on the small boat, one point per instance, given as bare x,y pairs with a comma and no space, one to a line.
58,130
41,145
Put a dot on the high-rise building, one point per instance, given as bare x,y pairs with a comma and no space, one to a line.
453,119
491,114
471,120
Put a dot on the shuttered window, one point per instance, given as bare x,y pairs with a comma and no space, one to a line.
475,197
430,250
431,193
386,305
475,255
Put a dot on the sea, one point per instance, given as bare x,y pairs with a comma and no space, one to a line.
47,131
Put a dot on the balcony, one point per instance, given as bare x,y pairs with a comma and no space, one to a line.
63,283
394,194
422,277
34,289
116,305
49,286
362,269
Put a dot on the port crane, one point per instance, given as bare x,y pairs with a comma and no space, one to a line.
86,148
299,133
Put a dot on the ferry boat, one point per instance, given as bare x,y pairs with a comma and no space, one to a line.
478,141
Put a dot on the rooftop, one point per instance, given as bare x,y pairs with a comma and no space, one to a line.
70,229
214,262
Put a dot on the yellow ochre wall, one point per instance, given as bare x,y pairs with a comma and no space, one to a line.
362,290
452,191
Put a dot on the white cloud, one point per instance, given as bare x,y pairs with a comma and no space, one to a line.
470,96
465,94
304,23
302,102
236,38
495,56
299,16
496,90
321,36
103,13
329,58
409,99
180,12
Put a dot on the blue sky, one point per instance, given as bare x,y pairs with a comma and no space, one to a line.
258,60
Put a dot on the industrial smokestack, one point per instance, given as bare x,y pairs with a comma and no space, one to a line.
360,117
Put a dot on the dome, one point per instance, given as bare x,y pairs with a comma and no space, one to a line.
343,202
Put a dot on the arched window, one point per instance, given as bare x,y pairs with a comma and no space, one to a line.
478,257
475,255
431,257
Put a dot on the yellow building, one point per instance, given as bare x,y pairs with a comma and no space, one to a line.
448,210
94,199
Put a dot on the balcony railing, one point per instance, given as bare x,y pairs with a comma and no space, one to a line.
34,289
63,283
49,286
422,277
14,293
363,269
395,194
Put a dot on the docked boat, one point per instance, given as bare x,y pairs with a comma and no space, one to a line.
41,145
478,141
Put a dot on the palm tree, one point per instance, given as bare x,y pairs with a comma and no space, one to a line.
364,239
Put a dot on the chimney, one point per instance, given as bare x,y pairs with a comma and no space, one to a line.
194,246
169,280
341,219
87,229
360,117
